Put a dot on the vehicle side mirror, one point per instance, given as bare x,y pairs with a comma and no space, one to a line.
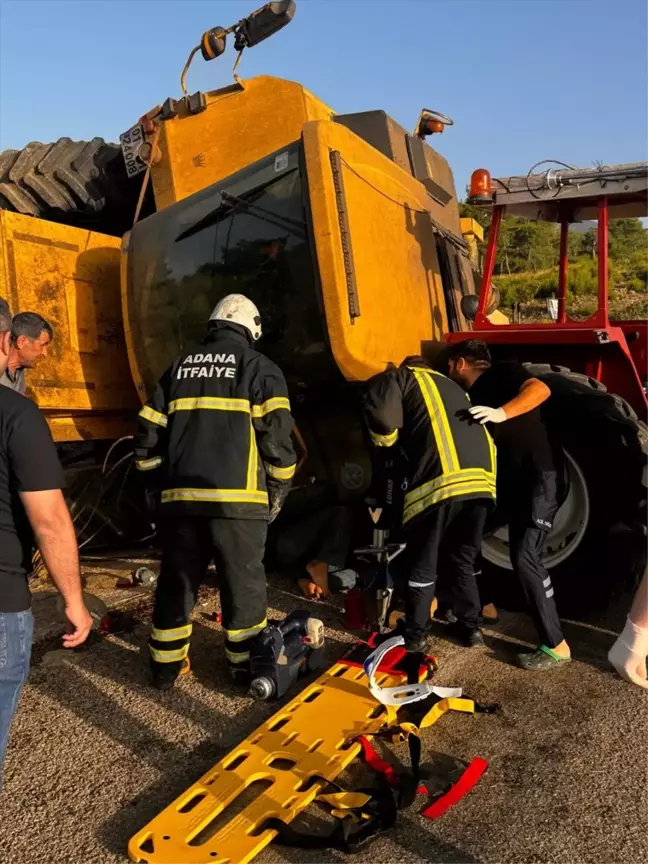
469,305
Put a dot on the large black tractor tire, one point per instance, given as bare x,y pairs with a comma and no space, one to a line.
81,183
609,445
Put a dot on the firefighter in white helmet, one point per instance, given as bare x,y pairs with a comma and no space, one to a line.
217,432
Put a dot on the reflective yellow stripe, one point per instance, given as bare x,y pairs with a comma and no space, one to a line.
172,634
148,464
232,496
147,413
169,656
273,404
463,488
233,657
246,632
465,474
213,403
493,451
253,462
280,473
439,420
384,440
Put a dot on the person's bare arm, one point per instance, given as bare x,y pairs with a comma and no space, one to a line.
54,534
533,392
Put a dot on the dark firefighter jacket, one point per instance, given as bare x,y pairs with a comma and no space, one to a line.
448,454
217,428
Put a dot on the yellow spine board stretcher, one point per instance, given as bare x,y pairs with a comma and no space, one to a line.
275,773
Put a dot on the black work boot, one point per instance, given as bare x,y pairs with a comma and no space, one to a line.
164,675
469,637
239,673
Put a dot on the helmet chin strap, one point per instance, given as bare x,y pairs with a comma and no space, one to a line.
404,693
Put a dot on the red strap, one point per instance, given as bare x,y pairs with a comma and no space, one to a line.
373,760
464,784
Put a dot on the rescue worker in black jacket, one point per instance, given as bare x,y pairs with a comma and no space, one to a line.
450,489
217,429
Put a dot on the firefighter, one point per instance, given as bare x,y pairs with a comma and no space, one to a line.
507,398
450,489
218,432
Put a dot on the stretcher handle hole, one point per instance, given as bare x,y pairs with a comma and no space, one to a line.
313,695
234,763
309,782
280,763
147,846
376,712
192,802
166,837
279,723
336,673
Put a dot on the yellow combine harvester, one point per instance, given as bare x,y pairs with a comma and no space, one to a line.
259,188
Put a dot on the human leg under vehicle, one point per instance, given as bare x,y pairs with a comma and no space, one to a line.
186,553
238,546
16,630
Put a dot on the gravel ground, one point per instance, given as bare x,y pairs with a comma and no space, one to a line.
95,752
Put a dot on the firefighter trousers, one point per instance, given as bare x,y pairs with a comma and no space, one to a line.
189,544
447,539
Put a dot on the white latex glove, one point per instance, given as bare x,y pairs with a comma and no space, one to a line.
628,654
488,415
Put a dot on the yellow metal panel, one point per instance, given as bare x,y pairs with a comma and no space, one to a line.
274,774
471,227
71,277
238,127
393,247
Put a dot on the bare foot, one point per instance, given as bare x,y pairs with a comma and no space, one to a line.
490,611
318,571
309,589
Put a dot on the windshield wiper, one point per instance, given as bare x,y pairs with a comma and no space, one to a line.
231,202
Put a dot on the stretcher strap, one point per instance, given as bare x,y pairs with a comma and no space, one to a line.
350,834
376,763
464,784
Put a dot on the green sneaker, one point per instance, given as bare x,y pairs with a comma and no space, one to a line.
541,659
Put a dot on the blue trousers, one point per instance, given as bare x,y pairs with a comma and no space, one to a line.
16,629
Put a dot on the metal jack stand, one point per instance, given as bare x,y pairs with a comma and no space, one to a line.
376,577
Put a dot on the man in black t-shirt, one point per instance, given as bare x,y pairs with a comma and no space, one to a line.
32,507
507,398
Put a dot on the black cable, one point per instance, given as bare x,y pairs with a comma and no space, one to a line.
544,162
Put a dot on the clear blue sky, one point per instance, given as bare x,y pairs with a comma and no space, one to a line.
524,80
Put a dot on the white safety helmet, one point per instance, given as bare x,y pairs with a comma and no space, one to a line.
238,309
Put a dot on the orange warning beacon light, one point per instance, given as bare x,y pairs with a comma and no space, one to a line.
481,187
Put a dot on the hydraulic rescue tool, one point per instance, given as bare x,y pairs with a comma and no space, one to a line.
282,652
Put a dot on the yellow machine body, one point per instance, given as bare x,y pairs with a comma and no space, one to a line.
369,255
240,125
71,277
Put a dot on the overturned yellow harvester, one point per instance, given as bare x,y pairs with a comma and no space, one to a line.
344,229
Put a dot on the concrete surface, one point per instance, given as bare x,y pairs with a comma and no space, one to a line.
95,752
